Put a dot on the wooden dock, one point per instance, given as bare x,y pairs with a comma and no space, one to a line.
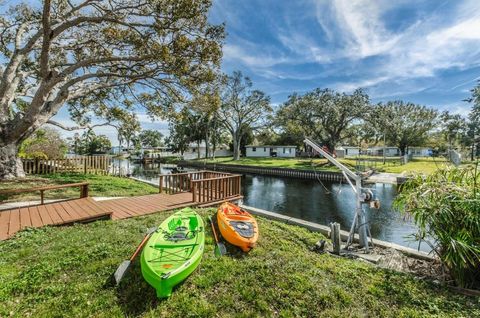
202,188
57,213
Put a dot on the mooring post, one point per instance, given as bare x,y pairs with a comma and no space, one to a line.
335,237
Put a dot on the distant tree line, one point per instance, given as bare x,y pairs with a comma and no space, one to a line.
244,115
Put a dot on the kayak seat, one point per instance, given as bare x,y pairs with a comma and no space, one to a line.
245,229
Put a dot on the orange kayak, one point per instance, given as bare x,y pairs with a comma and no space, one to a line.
237,226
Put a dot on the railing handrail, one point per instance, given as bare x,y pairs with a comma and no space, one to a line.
193,172
181,173
217,178
45,188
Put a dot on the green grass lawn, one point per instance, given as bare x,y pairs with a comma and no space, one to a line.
99,186
423,165
63,271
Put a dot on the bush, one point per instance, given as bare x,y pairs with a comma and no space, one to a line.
446,208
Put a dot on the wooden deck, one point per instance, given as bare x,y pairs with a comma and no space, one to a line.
57,213
200,188
146,204
87,209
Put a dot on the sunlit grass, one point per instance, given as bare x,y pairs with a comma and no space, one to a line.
57,271
425,165
98,186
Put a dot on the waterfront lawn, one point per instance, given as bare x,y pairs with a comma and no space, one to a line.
99,185
424,165
291,163
56,271
421,165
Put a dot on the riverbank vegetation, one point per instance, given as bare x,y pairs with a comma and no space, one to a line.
446,208
55,270
99,186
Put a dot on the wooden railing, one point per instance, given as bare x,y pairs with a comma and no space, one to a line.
216,189
178,182
182,182
80,164
83,190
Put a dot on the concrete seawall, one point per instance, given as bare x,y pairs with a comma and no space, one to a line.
325,230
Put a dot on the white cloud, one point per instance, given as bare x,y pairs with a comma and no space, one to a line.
361,24
419,50
251,57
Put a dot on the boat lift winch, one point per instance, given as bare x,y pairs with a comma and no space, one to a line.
363,196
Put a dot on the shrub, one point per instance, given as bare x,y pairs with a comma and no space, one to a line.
446,208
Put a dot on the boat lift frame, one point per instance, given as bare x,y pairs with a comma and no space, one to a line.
361,197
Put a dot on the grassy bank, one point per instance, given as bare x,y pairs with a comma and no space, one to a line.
59,271
424,165
99,186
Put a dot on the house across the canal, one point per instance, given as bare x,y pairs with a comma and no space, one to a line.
394,151
270,151
344,151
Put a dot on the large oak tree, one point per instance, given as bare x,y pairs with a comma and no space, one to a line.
322,114
242,108
89,53
405,124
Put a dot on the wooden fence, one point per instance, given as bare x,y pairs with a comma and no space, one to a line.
80,164
216,189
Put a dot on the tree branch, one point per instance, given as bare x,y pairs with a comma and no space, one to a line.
59,125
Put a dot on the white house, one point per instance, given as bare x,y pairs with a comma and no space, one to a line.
344,151
389,151
193,150
420,151
395,152
270,151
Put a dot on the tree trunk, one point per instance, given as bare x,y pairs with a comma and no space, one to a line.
236,147
207,137
402,150
10,165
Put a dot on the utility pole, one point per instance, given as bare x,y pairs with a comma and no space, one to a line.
384,147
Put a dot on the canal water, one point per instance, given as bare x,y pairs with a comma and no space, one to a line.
312,200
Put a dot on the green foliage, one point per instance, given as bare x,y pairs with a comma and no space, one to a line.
151,138
89,143
184,127
454,126
102,59
404,124
445,205
45,143
57,271
242,108
322,114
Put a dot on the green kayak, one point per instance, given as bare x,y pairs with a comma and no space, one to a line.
173,251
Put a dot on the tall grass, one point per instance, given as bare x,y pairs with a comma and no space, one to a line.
445,205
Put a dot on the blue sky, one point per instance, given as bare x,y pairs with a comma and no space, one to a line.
427,52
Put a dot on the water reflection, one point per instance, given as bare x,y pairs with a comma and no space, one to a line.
328,202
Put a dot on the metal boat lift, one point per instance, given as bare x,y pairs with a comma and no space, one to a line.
362,196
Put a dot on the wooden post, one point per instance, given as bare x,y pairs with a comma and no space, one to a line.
41,196
160,185
194,190
84,191
239,180
335,236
